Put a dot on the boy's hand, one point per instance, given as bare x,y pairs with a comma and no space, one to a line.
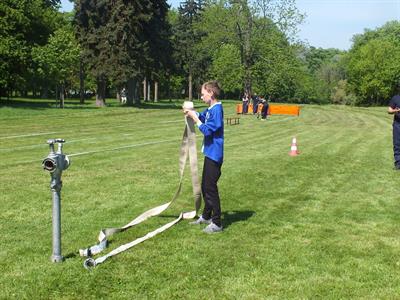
192,114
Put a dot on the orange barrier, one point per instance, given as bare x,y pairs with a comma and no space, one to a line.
239,108
274,109
280,109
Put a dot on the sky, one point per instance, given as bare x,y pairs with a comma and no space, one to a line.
332,23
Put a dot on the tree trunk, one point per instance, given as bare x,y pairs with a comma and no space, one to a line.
145,89
247,56
101,92
169,89
148,90
155,91
62,90
57,104
132,93
190,85
118,96
136,95
45,91
81,83
244,34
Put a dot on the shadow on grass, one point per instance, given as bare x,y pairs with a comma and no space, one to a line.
39,104
234,216
159,105
30,103
228,218
71,255
164,104
44,104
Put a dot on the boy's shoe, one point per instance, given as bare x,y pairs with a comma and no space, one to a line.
201,220
212,228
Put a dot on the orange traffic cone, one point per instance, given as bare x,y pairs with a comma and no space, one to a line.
293,148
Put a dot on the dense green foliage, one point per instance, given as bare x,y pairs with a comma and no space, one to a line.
186,43
249,46
374,64
321,225
58,59
23,25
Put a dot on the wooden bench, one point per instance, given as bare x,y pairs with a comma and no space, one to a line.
274,109
235,121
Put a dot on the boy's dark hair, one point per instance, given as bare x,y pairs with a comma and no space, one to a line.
212,87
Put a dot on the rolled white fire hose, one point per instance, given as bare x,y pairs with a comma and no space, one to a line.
188,149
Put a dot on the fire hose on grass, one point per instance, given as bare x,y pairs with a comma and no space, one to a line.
188,150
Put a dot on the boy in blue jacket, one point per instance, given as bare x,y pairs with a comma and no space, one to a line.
211,124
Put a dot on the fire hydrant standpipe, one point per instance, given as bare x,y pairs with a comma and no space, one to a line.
55,163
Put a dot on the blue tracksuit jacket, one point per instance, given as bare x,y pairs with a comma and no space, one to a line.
212,126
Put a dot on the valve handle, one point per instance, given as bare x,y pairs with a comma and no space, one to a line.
53,141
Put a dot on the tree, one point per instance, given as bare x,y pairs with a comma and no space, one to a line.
158,36
91,20
59,58
227,69
23,24
249,26
244,26
187,36
373,71
373,64
122,40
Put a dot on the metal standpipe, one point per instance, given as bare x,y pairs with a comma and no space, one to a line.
55,163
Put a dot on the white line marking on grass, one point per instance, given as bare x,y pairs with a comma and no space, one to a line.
176,121
123,147
81,131
44,133
280,120
102,150
41,145
26,135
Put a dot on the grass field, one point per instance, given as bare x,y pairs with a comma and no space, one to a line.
324,224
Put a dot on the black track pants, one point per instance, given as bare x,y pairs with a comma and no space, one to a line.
209,188
396,143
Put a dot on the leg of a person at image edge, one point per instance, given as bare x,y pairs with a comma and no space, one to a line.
212,206
396,144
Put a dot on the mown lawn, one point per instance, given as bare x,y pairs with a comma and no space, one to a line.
323,224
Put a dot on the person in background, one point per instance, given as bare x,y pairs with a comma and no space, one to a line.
394,108
264,110
255,103
245,103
